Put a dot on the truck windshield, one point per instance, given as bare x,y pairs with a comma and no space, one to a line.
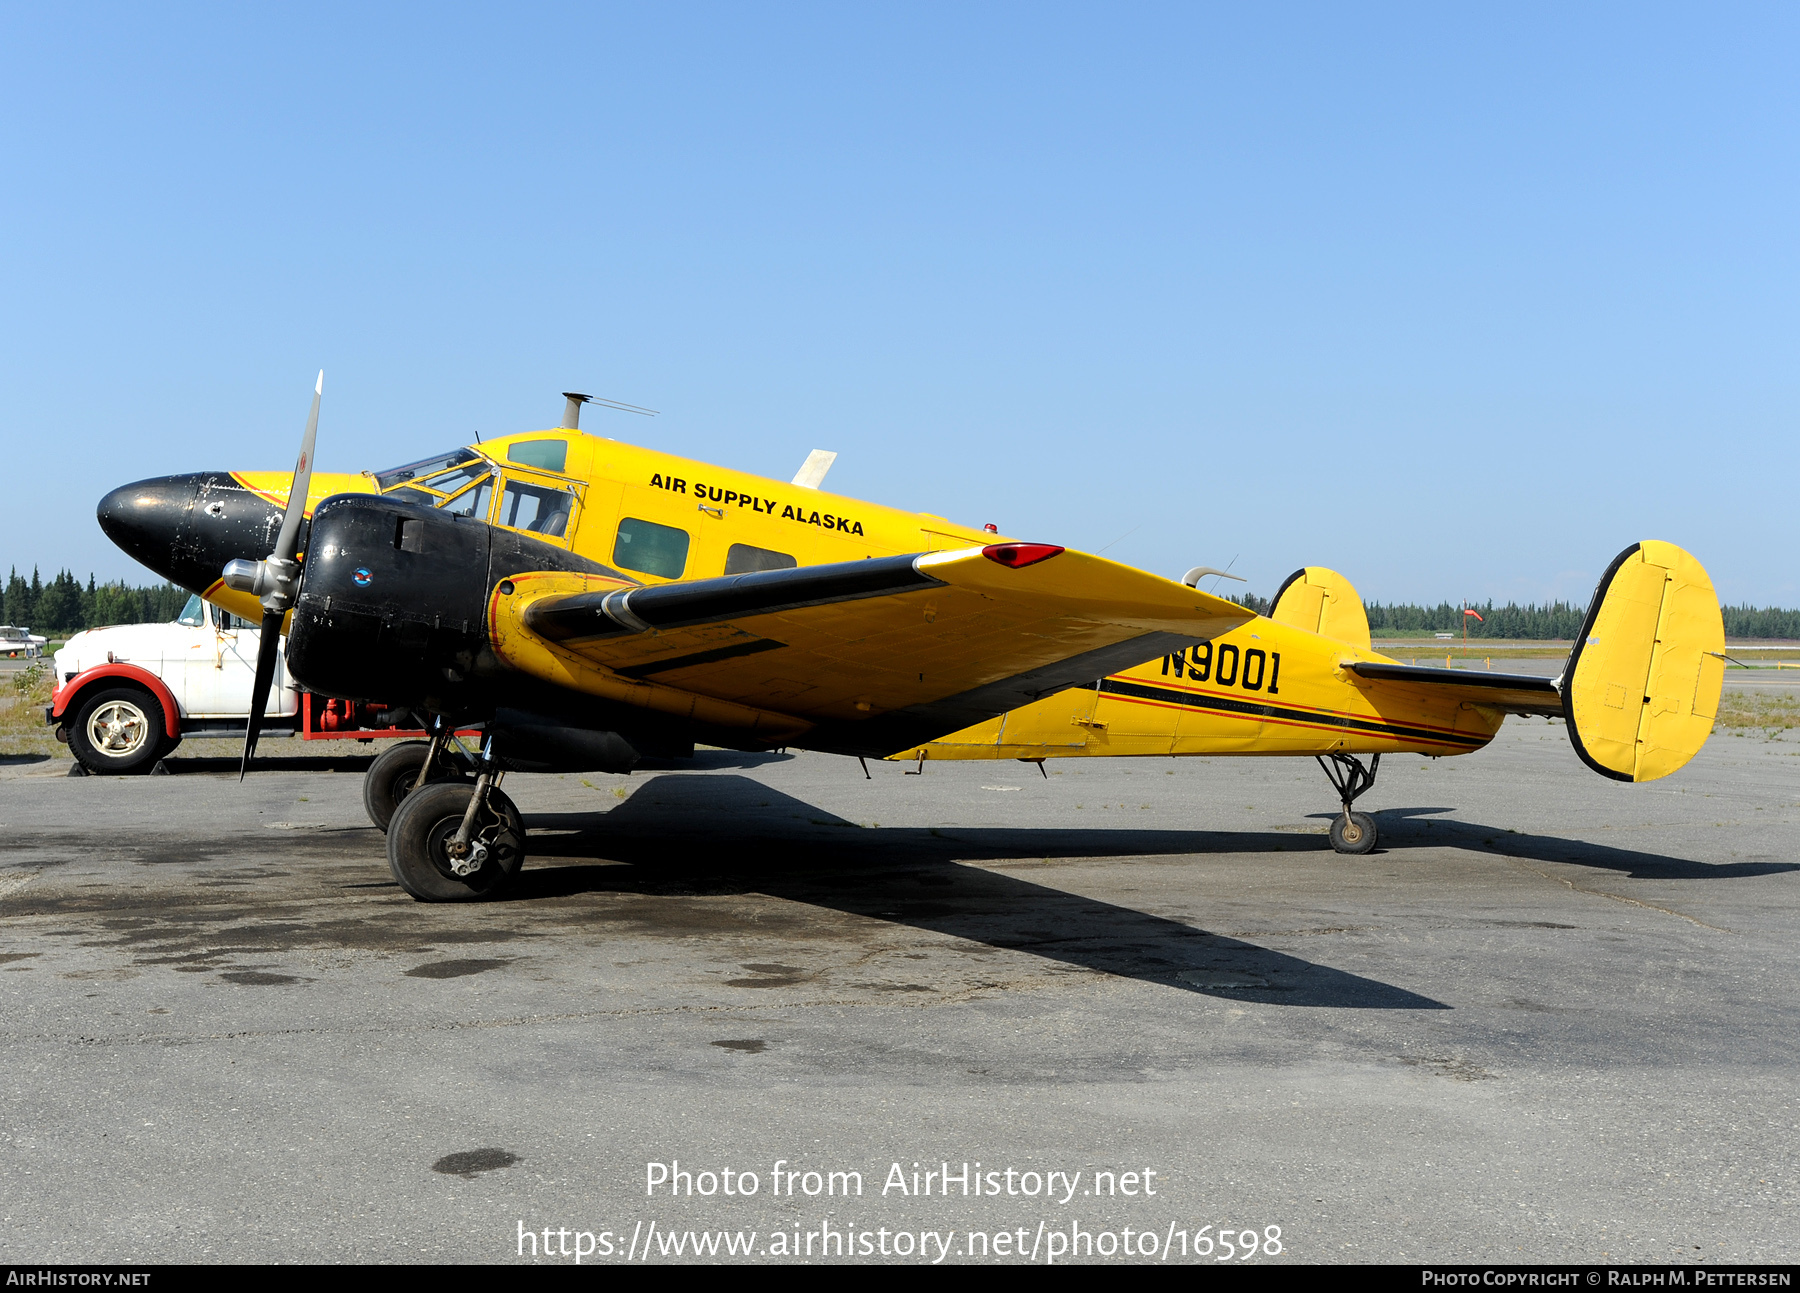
386,480
193,614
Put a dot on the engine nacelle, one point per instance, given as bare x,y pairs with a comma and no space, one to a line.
391,603
529,742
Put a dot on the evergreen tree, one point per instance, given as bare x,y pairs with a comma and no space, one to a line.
18,600
1748,622
59,606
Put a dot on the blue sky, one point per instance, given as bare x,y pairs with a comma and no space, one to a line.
1458,300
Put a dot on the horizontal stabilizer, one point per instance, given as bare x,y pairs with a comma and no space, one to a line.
1510,693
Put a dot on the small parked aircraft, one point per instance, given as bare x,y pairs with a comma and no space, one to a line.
589,603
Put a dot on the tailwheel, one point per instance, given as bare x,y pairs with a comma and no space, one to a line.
451,841
1351,832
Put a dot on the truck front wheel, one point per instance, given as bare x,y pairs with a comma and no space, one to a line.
118,732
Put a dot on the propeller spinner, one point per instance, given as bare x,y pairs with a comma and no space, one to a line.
275,580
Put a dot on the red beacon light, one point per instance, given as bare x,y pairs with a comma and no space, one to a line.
1017,555
991,528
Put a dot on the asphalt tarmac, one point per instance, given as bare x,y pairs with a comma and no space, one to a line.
1552,1018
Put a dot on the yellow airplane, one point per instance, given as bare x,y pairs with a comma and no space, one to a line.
590,602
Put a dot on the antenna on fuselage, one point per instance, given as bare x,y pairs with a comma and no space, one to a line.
573,400
1193,577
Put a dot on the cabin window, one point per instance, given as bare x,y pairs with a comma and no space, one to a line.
742,559
545,455
535,508
650,548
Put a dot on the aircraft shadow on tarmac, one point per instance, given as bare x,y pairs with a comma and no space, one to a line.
1414,827
726,834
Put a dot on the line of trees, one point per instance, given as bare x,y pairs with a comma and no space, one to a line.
63,604
1558,620
1766,622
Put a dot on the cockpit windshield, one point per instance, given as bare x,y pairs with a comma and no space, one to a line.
386,480
451,482
193,614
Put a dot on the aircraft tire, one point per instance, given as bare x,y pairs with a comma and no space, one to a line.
424,825
1356,836
392,777
118,732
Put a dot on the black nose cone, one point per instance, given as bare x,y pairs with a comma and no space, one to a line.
146,519
186,528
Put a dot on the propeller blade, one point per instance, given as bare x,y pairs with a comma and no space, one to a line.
275,579
265,676
289,537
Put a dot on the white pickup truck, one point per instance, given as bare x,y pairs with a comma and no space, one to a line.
128,694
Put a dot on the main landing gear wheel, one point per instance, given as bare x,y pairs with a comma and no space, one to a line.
118,732
395,773
422,843
1353,834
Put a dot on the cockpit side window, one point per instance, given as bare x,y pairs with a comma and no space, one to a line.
537,509
472,502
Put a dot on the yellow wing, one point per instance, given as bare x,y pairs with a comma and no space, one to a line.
862,657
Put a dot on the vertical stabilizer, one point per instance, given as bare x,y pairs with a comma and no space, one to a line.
1642,685
1324,602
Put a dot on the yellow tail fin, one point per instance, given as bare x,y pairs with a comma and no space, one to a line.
1324,602
1642,685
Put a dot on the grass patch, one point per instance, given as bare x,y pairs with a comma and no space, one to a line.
23,696
1759,711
